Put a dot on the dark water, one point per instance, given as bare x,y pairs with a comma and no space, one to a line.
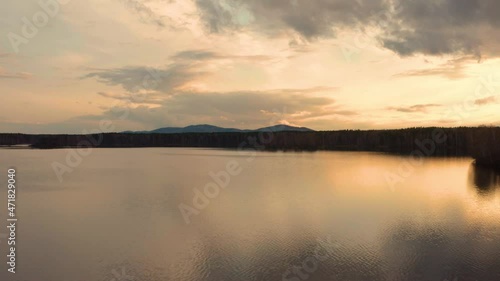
282,216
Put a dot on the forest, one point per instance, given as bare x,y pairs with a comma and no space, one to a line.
481,143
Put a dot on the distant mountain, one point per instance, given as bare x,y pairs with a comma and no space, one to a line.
195,129
285,128
214,129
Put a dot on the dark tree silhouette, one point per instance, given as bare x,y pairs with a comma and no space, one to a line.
481,143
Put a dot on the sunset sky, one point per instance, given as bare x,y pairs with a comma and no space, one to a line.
325,64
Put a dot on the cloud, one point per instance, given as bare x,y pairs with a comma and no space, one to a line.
438,27
485,101
137,78
414,108
452,69
146,14
168,100
244,108
195,55
311,19
185,67
246,103
207,55
407,27
151,98
4,74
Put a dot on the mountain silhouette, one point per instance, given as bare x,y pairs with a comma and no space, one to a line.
205,128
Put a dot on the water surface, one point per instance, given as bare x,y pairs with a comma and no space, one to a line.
285,216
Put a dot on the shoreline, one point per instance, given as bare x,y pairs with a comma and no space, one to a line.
480,143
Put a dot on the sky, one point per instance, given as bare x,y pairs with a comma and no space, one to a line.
70,66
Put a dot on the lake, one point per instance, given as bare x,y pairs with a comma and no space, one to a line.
206,214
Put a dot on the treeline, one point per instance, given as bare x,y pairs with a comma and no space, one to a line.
482,143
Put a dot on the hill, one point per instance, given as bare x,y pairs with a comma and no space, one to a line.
205,128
